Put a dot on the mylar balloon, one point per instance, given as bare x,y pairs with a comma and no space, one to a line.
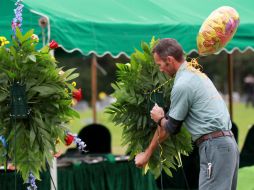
217,30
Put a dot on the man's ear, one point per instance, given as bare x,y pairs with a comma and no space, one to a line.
170,59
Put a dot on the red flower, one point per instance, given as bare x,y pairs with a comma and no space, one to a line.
68,139
53,45
77,94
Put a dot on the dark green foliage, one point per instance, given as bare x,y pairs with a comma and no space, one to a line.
31,141
138,87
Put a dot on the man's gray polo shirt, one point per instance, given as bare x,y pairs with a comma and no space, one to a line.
195,100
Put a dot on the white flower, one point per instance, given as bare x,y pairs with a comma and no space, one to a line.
35,38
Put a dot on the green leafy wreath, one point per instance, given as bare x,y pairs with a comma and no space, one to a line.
47,95
139,85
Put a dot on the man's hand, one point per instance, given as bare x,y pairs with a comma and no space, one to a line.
157,113
141,159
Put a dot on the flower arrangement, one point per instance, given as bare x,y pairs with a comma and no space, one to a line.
139,86
17,20
31,141
35,100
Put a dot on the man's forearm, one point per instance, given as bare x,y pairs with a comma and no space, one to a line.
159,136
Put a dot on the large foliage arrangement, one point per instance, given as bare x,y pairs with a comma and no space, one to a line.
139,85
30,141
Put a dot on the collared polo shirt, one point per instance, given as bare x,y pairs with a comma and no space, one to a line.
196,101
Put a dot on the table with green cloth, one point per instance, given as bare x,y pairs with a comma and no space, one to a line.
106,175
83,176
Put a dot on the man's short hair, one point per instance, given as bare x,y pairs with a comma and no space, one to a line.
169,47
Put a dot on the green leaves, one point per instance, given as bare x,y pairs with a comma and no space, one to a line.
32,58
45,90
32,141
3,96
135,95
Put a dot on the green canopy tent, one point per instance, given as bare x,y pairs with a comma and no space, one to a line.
118,26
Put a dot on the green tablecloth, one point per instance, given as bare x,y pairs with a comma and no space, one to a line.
100,176
7,181
108,176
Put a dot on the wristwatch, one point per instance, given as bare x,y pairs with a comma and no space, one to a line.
159,121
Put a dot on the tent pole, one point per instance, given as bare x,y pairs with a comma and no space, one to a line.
94,86
230,83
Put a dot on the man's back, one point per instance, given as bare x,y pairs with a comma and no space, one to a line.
195,100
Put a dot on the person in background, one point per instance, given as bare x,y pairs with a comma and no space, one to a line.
249,90
196,102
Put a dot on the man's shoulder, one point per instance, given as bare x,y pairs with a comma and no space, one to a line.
187,78
190,81
182,85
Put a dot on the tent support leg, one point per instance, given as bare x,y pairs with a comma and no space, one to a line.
230,83
94,86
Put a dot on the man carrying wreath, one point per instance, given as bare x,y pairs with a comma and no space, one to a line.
196,102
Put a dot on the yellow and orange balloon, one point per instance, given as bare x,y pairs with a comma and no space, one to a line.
217,30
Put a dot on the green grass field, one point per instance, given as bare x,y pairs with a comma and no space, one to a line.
242,116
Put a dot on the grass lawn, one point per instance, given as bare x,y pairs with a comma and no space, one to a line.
243,117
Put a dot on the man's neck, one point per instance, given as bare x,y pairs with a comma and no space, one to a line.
179,64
